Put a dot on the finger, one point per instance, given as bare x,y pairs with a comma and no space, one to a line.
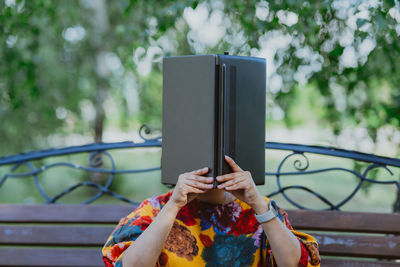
190,189
198,185
229,176
200,171
200,178
240,185
233,164
232,182
196,190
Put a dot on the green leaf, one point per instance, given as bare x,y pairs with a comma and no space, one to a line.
361,22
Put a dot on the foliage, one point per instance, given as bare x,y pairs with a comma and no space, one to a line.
365,92
56,75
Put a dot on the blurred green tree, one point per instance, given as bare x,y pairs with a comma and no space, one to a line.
61,61
348,49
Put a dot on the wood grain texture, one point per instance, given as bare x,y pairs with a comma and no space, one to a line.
357,263
54,235
50,257
79,213
345,221
329,244
386,247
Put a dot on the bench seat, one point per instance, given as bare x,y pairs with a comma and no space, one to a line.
73,235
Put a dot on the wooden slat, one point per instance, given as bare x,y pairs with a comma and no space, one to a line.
79,213
332,244
300,219
92,258
359,246
357,263
54,235
329,244
345,221
51,257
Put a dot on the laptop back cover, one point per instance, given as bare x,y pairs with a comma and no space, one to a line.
244,79
187,115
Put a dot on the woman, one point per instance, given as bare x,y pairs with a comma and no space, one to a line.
195,225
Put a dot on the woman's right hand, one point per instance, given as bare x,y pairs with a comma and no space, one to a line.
189,185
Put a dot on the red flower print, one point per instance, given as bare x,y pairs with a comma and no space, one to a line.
107,262
245,224
143,222
116,251
163,259
304,256
206,240
187,214
163,199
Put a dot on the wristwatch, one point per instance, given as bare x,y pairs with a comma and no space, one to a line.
269,215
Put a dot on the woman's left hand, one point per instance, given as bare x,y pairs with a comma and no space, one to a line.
240,184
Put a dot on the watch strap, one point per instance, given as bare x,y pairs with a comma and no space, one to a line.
267,216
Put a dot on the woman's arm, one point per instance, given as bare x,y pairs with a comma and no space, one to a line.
152,239
284,244
147,247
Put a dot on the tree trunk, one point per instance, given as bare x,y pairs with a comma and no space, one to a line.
396,205
100,24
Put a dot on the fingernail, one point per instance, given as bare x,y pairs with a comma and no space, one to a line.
206,168
218,178
219,186
210,179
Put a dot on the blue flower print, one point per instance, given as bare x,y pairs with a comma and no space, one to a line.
230,250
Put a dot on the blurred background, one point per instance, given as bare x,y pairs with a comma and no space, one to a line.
77,72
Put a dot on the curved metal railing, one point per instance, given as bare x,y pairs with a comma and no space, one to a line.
99,151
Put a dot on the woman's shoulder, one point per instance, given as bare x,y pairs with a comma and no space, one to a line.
150,206
158,201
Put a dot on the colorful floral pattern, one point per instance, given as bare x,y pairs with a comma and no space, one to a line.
228,250
182,242
206,234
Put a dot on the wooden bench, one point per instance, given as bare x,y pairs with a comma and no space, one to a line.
73,235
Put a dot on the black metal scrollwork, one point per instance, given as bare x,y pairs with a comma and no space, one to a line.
301,169
99,153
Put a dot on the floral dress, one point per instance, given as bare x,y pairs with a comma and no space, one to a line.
206,234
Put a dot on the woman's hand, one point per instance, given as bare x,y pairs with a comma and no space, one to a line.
189,185
241,185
